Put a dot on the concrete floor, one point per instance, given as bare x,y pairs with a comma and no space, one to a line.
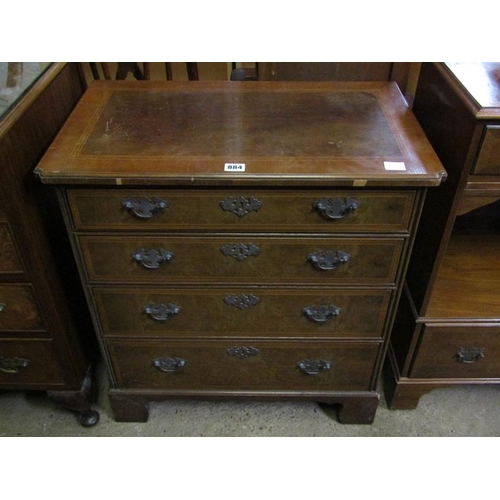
457,411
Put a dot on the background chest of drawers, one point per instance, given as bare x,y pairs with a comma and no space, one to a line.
278,281
46,335
448,324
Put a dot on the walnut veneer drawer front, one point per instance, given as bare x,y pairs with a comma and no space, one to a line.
488,160
242,313
25,362
9,261
241,258
459,352
18,309
222,365
276,211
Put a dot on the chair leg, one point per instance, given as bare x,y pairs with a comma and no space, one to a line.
105,70
125,67
168,70
95,71
192,70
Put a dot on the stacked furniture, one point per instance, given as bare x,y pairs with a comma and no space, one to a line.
448,324
45,332
242,239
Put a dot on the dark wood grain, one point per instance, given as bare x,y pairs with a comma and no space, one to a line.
182,134
488,160
205,313
33,241
11,261
20,310
450,127
150,161
209,367
454,273
201,260
280,210
437,355
44,370
336,71
468,282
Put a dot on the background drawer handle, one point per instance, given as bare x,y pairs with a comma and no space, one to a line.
2,307
240,251
240,205
313,366
152,259
321,314
169,364
469,355
336,208
243,352
143,207
13,365
329,260
161,312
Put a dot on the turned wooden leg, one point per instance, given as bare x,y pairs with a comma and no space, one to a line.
129,408
79,401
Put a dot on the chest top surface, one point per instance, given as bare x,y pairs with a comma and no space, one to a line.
241,132
481,82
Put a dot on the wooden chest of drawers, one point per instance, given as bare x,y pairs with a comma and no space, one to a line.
448,325
244,240
46,339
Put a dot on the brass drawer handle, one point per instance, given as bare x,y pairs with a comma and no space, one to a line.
313,366
329,260
240,251
13,365
241,301
169,365
143,207
469,355
336,208
152,259
161,312
240,205
321,314
243,352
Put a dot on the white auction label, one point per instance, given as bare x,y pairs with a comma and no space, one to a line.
234,167
394,165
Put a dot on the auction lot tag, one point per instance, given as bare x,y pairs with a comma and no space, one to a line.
394,165
234,167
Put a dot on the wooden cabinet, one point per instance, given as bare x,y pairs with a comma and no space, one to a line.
46,338
447,326
242,240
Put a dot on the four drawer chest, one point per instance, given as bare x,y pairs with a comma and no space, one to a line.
242,239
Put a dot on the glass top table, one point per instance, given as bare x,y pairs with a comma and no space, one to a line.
15,79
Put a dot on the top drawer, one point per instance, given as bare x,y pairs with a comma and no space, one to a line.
241,210
488,160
